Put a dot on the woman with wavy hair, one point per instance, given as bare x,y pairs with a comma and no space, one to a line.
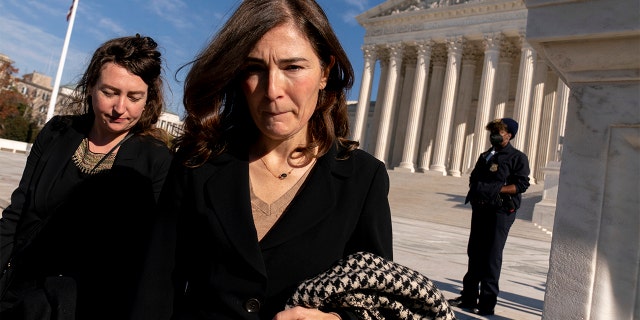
266,190
72,239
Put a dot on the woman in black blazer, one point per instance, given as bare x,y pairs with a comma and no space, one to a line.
265,190
78,224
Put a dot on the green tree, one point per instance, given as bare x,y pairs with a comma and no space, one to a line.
14,124
15,128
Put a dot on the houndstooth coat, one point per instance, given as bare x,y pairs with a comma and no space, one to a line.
374,289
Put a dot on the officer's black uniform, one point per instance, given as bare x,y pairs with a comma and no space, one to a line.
492,217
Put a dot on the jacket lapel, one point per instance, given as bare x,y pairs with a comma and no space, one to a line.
313,203
128,152
52,162
228,191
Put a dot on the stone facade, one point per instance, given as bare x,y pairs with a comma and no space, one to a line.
447,68
37,88
171,123
594,45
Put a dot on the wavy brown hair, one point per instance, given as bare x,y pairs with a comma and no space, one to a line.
139,55
217,116
496,126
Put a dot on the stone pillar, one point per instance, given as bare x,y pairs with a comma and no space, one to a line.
365,94
372,130
402,105
562,99
501,99
420,82
550,87
430,116
445,119
395,62
465,91
523,93
594,267
491,55
537,101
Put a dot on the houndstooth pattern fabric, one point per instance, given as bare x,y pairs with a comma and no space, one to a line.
375,289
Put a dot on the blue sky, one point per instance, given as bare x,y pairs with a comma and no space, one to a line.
32,32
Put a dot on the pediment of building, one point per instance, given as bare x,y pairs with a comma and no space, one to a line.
444,17
396,7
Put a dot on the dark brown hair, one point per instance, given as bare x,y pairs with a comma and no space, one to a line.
139,55
217,116
496,126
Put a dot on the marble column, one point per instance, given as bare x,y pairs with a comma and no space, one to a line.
420,83
562,99
365,94
430,116
468,159
395,63
533,143
371,131
523,92
503,78
550,87
491,55
401,110
465,91
445,118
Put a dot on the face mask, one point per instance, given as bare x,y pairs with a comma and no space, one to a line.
496,139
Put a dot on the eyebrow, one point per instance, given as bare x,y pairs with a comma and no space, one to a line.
281,61
104,85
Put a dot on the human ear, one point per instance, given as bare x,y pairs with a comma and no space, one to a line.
326,71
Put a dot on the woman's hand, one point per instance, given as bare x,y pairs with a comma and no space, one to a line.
301,313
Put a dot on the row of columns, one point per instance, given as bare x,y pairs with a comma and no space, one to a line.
426,97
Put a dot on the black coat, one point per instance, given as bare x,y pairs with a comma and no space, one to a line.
505,167
95,233
222,271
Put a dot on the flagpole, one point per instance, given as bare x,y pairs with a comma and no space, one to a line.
63,57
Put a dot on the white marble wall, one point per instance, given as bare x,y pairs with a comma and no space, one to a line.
594,269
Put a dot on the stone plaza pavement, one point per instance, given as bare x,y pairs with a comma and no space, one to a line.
430,229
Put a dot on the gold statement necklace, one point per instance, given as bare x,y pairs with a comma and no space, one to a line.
92,163
281,176
89,162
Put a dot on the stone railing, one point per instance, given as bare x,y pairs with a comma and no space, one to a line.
14,146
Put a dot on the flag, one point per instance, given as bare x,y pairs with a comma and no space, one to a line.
73,2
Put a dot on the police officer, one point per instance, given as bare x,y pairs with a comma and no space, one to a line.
497,181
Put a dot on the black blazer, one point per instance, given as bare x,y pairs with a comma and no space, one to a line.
507,166
94,230
221,271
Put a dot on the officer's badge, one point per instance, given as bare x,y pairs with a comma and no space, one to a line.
494,167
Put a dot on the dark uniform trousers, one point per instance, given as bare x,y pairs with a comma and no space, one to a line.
489,230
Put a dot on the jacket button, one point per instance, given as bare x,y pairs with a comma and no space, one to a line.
252,305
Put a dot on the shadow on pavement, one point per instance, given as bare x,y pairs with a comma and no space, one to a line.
507,300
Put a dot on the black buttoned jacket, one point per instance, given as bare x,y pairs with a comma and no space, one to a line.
507,166
208,241
95,233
